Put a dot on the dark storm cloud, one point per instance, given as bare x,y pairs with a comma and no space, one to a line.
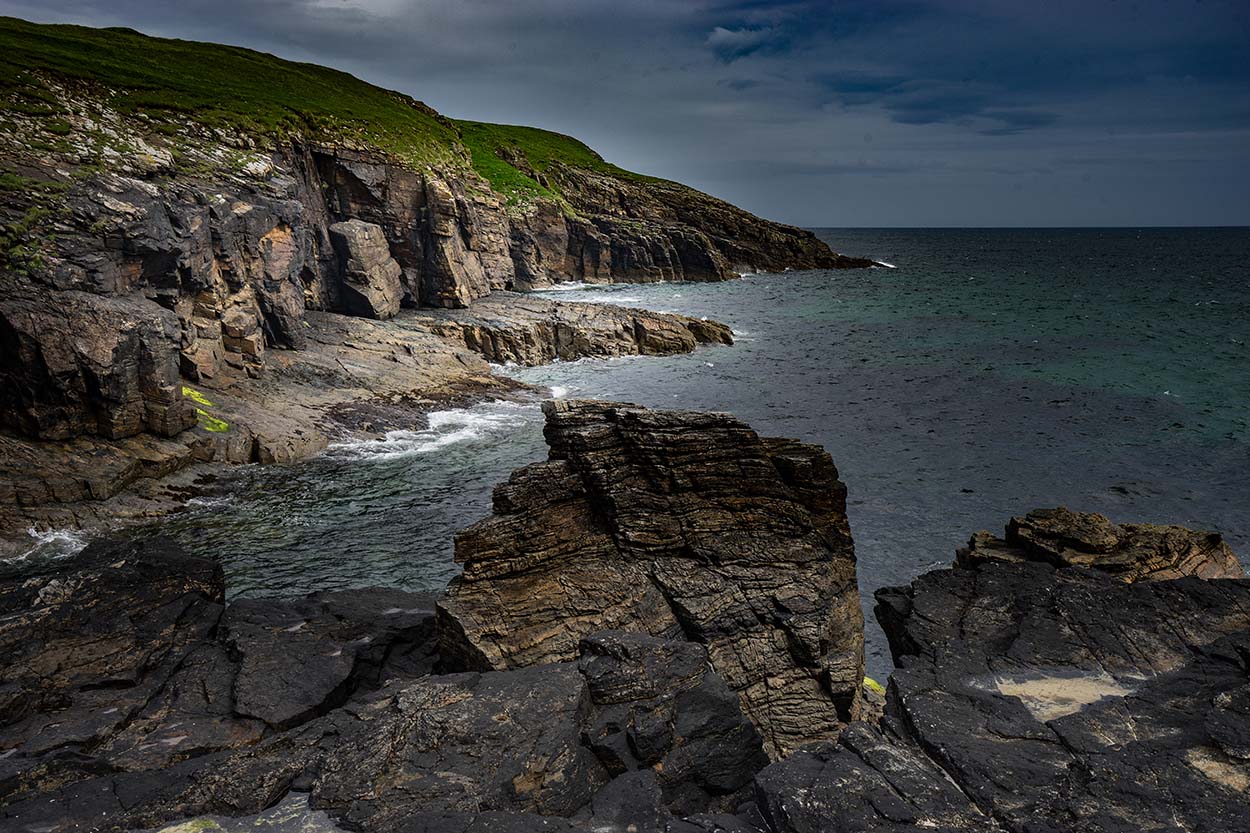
855,112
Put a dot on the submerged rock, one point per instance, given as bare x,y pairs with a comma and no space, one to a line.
677,524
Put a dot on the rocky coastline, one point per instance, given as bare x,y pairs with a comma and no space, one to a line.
657,629
184,291
629,650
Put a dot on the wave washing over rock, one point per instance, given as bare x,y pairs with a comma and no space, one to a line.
1103,690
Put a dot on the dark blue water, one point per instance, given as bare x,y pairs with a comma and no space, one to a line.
992,372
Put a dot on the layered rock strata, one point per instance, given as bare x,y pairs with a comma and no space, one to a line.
676,524
1043,694
1029,696
1130,552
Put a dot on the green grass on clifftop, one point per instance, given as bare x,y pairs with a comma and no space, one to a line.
225,86
252,93
541,148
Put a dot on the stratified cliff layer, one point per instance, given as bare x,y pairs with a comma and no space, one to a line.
676,524
176,217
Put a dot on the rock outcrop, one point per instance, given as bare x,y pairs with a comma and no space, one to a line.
676,524
505,327
371,285
1030,696
1129,552
126,660
132,697
1036,693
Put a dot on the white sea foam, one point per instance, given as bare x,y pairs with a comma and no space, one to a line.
204,502
481,422
566,286
559,391
607,298
52,543
886,265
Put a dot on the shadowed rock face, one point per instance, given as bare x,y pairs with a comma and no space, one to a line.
127,661
133,698
677,524
1034,697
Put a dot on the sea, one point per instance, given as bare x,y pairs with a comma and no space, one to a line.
981,374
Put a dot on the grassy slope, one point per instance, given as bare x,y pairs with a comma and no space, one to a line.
541,147
258,94
223,86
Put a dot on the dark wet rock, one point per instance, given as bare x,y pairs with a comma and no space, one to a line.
301,657
865,782
465,742
661,709
469,751
126,661
549,740
1035,697
1129,552
677,524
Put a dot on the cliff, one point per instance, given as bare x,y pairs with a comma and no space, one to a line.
176,216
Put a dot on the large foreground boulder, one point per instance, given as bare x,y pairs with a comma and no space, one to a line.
127,661
677,524
1035,696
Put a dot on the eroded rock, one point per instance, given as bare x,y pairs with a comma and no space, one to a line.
677,524
371,285
1035,696
1129,552
127,661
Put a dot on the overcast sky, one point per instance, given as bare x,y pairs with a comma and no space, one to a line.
861,113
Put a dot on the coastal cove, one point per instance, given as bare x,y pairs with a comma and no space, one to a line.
990,371
372,461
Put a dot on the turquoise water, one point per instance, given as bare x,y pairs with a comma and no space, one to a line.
991,372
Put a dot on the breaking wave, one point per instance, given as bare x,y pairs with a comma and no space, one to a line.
487,421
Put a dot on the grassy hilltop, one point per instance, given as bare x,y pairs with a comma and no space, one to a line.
171,82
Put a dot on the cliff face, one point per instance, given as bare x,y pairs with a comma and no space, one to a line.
143,245
175,213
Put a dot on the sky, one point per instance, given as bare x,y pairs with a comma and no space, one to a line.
858,113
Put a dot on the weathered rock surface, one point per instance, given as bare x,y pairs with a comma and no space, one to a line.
677,524
1128,551
1035,696
126,661
371,285
353,375
133,698
506,327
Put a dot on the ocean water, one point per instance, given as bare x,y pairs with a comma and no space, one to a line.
991,372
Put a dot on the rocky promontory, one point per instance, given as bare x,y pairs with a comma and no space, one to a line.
210,255
680,525
574,680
